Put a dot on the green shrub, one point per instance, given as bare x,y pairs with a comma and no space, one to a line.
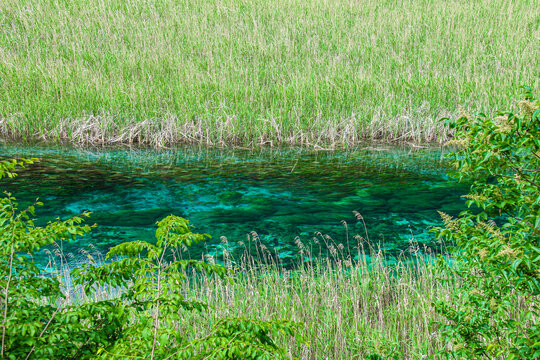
38,320
152,297
498,239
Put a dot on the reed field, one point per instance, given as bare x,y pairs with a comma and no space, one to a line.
351,305
356,303
221,72
349,309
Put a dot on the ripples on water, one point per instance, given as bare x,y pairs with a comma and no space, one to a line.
279,194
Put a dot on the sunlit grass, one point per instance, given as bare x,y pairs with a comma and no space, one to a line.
353,302
351,308
251,72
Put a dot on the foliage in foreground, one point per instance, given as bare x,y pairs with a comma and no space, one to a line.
36,323
498,241
39,321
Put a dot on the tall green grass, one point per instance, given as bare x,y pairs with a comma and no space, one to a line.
351,307
355,302
253,72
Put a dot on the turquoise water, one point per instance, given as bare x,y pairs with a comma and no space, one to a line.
279,194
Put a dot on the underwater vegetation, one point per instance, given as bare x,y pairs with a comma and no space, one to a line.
277,194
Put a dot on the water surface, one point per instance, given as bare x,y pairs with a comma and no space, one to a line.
281,195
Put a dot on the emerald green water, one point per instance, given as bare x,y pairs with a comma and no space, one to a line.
279,194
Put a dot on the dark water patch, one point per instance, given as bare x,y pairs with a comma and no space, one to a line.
279,194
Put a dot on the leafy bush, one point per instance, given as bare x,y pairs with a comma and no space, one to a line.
152,298
498,239
37,321
40,322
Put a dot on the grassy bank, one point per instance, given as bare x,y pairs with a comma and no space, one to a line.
355,303
352,305
351,309
255,72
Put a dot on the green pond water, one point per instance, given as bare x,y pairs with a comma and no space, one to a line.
279,194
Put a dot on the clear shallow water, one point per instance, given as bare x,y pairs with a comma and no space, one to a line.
279,194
